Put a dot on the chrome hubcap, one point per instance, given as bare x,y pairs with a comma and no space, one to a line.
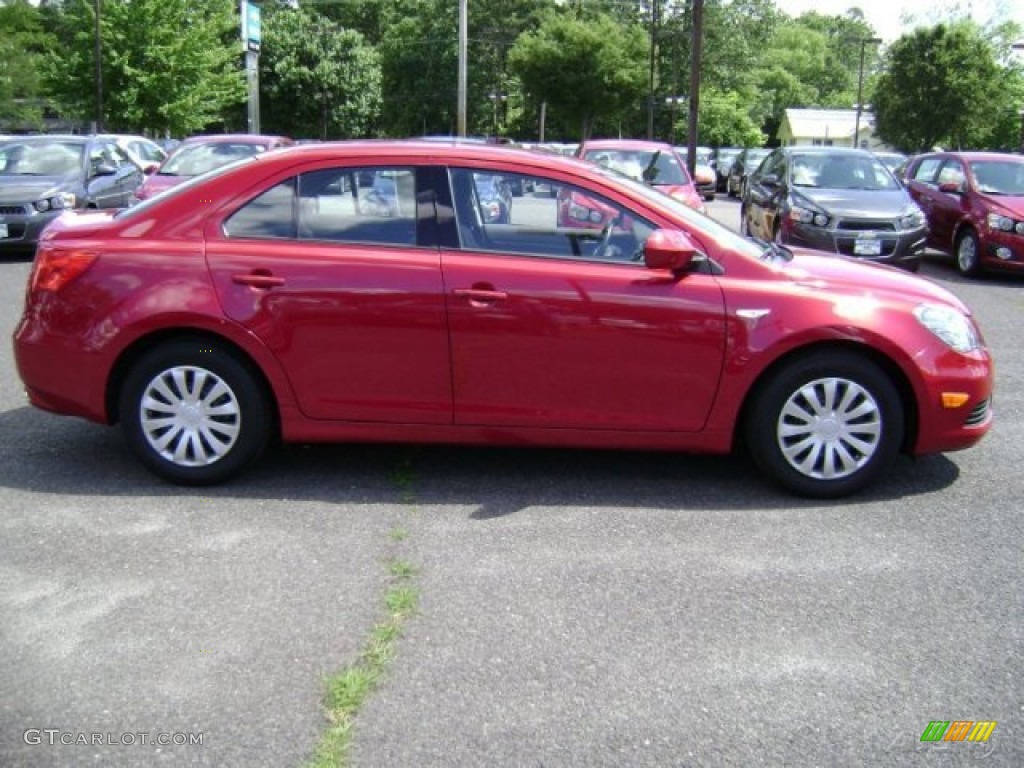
190,416
829,428
965,254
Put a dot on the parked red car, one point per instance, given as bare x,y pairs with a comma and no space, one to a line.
200,154
654,162
974,203
267,300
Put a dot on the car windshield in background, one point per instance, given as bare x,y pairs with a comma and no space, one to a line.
999,178
653,165
40,158
841,172
192,161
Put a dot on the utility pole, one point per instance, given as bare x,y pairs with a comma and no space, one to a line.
696,51
99,73
463,45
653,67
864,41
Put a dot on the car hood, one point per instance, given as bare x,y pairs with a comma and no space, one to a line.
852,277
27,189
862,203
1012,204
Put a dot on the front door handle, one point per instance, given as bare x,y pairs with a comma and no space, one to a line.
481,295
258,280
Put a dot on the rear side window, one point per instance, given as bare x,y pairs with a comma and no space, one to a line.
342,205
270,215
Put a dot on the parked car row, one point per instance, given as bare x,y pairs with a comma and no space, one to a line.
43,175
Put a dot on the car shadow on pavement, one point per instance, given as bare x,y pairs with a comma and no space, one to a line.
59,455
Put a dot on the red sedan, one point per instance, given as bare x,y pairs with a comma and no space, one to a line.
273,298
974,203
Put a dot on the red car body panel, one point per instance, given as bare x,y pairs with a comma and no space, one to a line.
438,344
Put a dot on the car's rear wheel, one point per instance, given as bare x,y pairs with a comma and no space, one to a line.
968,257
194,412
826,425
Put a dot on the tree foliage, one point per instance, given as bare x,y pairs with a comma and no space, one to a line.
940,87
317,79
585,69
168,65
24,44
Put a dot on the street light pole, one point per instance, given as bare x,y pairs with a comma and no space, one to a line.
863,41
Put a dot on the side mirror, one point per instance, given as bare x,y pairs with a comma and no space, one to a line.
104,169
669,249
770,180
150,168
953,187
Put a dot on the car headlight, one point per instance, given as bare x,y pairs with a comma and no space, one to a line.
808,216
911,219
998,221
953,328
55,203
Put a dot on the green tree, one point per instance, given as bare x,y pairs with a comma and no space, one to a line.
169,66
725,121
317,78
584,69
940,86
23,46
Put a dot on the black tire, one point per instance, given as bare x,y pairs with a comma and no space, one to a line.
967,253
826,425
168,397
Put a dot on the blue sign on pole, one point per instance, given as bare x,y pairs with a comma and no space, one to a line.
251,33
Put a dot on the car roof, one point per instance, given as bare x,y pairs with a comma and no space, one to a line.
626,144
36,138
233,138
972,155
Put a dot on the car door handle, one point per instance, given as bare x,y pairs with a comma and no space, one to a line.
258,280
481,295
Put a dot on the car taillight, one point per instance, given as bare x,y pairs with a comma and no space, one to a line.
56,267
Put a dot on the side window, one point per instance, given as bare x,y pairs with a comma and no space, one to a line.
925,172
270,215
533,216
359,205
951,172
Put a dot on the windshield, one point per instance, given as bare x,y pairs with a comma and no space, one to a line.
999,177
653,165
39,158
182,188
824,171
200,158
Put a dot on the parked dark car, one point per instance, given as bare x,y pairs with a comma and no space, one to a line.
721,161
746,162
834,199
41,176
974,202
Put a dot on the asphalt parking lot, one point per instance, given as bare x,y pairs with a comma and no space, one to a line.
576,608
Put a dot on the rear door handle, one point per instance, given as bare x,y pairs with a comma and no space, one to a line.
257,280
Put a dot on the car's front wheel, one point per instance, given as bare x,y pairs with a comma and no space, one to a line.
968,261
826,425
194,413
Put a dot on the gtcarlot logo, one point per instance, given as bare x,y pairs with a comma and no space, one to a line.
54,736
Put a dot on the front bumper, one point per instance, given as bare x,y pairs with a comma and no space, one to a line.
20,231
1003,250
884,245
